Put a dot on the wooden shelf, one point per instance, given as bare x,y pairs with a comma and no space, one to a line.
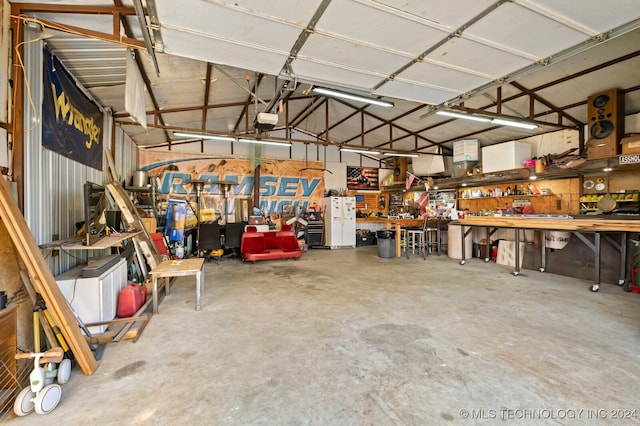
522,174
102,243
508,196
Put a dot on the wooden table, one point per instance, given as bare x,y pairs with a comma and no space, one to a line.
396,224
177,268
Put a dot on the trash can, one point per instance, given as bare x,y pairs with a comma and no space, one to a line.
386,243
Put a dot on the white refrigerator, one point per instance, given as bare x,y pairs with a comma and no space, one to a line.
340,221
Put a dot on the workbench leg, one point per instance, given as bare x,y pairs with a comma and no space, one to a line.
597,260
487,253
543,252
517,260
462,235
398,242
623,259
155,295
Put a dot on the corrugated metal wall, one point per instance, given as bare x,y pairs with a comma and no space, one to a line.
53,184
126,154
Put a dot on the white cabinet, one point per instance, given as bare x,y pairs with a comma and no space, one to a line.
94,299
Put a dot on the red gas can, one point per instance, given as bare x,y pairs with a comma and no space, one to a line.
131,298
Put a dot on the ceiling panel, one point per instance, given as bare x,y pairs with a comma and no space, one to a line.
444,78
329,74
477,57
598,15
294,12
342,53
205,48
231,24
523,30
450,13
400,88
385,27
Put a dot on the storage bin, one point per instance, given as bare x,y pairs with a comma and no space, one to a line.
365,239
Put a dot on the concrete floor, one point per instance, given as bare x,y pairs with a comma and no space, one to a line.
343,337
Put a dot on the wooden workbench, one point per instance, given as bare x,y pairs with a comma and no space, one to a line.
597,226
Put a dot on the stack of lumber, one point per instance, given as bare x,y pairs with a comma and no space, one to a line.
43,280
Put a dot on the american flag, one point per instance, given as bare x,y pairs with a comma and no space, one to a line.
362,178
409,180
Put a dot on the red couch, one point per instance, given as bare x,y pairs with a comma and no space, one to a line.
269,245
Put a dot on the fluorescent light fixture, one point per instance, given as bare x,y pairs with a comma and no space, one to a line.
500,121
607,169
264,142
203,136
533,177
399,154
337,94
359,151
518,124
464,116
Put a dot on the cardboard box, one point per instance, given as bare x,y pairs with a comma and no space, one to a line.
505,156
149,223
630,145
466,150
507,253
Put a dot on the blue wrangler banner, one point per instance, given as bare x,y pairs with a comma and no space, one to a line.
71,122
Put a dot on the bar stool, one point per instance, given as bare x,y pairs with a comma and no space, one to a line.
432,235
415,239
403,240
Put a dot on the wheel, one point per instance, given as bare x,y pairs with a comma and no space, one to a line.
47,399
595,287
64,371
24,402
